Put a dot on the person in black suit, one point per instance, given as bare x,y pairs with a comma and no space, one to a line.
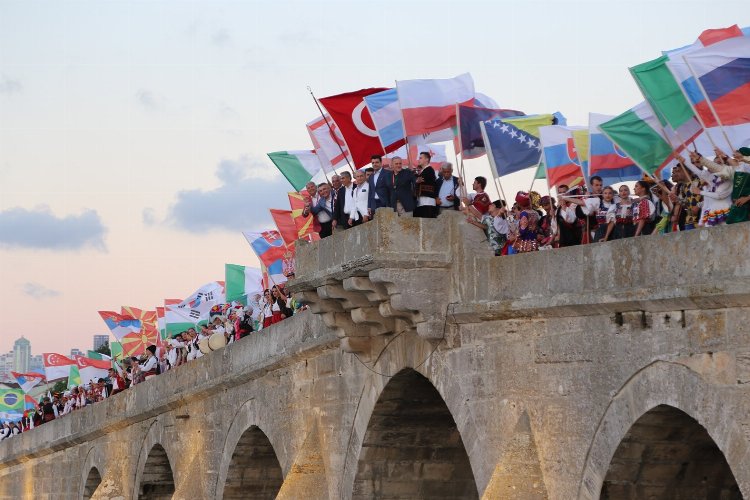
381,185
426,193
447,187
341,218
402,196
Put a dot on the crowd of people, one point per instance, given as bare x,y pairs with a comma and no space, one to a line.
227,323
700,193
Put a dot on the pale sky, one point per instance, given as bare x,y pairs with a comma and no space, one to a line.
133,133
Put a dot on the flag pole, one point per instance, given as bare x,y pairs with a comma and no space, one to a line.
710,104
461,172
330,129
695,111
493,165
403,122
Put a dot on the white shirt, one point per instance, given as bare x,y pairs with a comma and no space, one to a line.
359,202
375,177
150,364
446,188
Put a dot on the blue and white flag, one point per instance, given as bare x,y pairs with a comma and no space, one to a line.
386,115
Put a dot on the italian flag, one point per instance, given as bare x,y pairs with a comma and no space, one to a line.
641,136
242,282
298,167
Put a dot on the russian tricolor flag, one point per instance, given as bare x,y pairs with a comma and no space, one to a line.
560,156
723,70
607,160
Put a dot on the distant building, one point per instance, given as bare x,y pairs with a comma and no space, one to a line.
76,352
100,340
21,355
6,366
37,364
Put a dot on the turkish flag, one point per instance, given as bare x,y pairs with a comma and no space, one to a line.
353,119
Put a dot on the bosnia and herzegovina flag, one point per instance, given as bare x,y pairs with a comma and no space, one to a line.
513,144
607,160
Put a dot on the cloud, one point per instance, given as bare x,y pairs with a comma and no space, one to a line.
40,229
297,38
37,291
149,216
249,187
149,100
9,85
221,37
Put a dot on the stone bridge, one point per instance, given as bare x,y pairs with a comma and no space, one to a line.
426,368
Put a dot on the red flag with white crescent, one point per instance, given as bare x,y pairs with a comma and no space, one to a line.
355,123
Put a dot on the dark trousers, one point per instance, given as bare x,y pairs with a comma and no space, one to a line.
426,212
326,229
342,224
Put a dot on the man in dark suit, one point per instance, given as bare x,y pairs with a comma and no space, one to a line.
340,218
447,187
381,185
402,196
426,193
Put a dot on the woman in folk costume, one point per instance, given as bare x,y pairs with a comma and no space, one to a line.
644,210
525,236
547,224
603,209
716,187
267,308
622,226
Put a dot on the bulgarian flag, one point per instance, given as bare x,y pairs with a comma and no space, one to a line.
666,98
242,282
299,167
639,134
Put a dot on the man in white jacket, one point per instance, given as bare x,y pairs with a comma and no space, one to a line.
358,205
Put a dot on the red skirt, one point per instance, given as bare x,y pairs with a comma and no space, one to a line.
276,317
267,322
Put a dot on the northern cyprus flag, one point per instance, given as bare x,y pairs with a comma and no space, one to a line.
242,282
299,167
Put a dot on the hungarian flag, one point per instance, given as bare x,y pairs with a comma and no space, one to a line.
285,225
161,322
305,225
56,365
353,119
28,381
92,369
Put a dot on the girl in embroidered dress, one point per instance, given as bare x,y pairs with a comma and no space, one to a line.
644,210
622,225
716,188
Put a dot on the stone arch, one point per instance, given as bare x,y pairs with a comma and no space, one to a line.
665,384
157,480
481,434
245,435
93,480
254,470
92,472
154,474
668,454
412,447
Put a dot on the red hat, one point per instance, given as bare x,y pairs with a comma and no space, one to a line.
522,198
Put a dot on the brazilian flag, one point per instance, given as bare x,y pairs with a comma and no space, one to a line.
11,400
